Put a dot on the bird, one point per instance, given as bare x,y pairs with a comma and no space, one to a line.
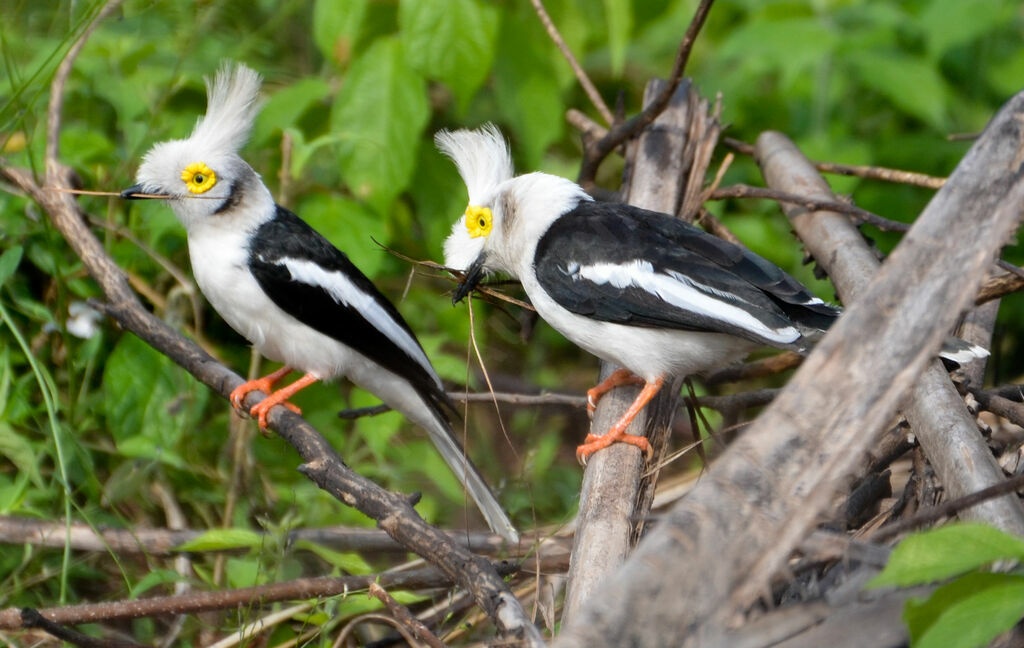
641,289
283,286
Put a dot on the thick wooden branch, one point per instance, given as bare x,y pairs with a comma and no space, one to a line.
719,547
936,412
612,482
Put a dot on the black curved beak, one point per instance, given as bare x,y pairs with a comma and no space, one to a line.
471,278
129,193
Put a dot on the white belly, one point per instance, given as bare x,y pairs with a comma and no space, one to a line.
221,269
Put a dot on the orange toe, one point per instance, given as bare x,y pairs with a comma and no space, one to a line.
261,409
593,443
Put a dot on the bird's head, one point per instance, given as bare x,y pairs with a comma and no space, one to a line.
506,214
203,176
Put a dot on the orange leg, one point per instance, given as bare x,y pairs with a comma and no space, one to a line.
616,378
280,397
617,433
264,384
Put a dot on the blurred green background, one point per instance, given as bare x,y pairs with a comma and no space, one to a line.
355,90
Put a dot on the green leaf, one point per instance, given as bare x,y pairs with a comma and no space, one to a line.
947,551
349,562
20,452
9,261
286,106
451,41
153,579
337,25
969,612
221,539
350,226
1005,75
618,15
791,46
526,76
949,23
382,107
149,401
912,84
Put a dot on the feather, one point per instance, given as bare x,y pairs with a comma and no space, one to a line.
481,156
231,109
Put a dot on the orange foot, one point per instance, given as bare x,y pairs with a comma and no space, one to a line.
264,384
616,378
617,433
279,397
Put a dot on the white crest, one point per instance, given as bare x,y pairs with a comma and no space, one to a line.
231,108
482,157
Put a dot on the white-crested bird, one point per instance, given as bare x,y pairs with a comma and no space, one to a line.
641,289
286,288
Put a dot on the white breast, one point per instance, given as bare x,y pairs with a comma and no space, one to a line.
220,266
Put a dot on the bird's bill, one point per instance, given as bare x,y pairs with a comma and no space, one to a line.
470,278
135,192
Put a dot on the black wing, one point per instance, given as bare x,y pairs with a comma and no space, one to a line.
287,238
623,264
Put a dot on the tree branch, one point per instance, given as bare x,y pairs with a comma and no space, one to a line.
577,69
595,152
193,602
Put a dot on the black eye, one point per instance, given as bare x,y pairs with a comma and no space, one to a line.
483,223
198,178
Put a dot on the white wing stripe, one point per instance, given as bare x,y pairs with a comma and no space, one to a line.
681,292
343,291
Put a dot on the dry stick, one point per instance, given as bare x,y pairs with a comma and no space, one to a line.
595,152
785,197
393,512
757,369
296,590
936,412
999,286
581,76
946,509
718,548
860,171
405,617
1008,409
612,480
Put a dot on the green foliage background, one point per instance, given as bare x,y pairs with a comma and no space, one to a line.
355,90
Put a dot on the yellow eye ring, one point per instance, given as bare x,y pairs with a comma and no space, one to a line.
198,177
478,221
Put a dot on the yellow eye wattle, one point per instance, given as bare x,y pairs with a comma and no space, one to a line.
478,221
198,177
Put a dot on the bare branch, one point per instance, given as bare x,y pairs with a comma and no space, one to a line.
60,78
577,69
405,617
596,152
862,215
299,589
860,171
946,509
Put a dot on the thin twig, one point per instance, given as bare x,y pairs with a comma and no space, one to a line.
998,286
577,69
861,171
757,369
862,215
405,617
295,590
458,276
596,152
946,509
60,79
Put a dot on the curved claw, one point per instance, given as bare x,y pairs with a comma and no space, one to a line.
261,409
264,384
